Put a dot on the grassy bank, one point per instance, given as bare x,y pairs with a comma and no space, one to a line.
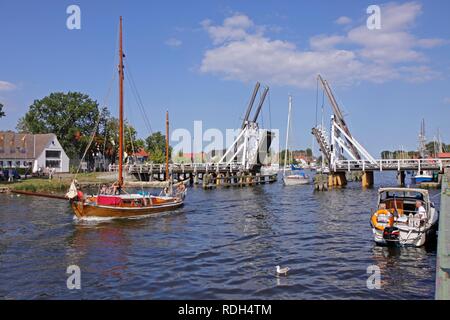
39,185
61,182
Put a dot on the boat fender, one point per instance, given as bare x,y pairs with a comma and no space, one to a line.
381,219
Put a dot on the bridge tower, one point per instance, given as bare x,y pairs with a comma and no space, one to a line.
341,144
251,147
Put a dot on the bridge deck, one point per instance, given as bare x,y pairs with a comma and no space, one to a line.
390,164
193,168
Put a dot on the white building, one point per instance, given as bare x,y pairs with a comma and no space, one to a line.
21,150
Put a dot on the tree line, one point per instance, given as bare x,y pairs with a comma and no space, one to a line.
432,149
74,118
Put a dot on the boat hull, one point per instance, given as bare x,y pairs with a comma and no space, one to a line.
410,238
83,210
295,181
422,179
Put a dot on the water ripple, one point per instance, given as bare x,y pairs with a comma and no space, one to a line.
224,244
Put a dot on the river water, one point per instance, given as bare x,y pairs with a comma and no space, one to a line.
223,244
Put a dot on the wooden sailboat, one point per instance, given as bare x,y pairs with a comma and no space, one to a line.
121,204
292,178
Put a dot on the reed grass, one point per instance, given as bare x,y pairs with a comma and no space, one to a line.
40,185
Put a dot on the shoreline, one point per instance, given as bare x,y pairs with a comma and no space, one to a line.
61,183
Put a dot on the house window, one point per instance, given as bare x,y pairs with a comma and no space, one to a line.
10,164
17,163
53,154
53,163
1,163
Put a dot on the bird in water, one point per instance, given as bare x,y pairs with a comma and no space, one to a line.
282,271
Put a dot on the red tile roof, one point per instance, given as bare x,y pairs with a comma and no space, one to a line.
444,155
141,153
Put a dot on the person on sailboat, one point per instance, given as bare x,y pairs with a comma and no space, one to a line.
181,187
166,191
117,188
104,190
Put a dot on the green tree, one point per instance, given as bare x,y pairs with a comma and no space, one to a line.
309,152
2,113
290,159
71,116
110,138
156,146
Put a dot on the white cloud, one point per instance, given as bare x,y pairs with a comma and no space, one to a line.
234,28
173,42
431,43
6,86
324,42
343,20
243,51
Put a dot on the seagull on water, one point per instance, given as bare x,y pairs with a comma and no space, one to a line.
283,271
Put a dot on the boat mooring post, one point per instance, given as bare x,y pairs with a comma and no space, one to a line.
401,178
443,249
367,179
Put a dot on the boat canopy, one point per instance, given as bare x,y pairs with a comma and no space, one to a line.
405,191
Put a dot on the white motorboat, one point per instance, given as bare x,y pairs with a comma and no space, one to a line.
399,219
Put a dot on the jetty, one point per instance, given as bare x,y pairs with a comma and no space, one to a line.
443,249
206,175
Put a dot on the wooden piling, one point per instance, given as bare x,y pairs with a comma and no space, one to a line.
367,179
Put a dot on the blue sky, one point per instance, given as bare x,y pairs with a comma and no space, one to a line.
200,60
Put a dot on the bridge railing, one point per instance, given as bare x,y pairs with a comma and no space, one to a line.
144,168
391,164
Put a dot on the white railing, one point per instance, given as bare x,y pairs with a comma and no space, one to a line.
391,164
144,168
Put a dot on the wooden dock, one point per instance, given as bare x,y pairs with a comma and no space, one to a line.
443,250
213,180
208,175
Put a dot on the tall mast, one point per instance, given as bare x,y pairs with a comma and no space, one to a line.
167,145
121,77
287,135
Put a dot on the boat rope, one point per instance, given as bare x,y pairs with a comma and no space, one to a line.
106,99
137,97
89,144
133,148
94,131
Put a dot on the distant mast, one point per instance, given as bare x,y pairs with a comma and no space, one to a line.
121,77
287,135
422,140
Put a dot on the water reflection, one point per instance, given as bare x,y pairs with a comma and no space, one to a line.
223,243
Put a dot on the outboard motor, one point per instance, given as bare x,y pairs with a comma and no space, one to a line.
391,235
